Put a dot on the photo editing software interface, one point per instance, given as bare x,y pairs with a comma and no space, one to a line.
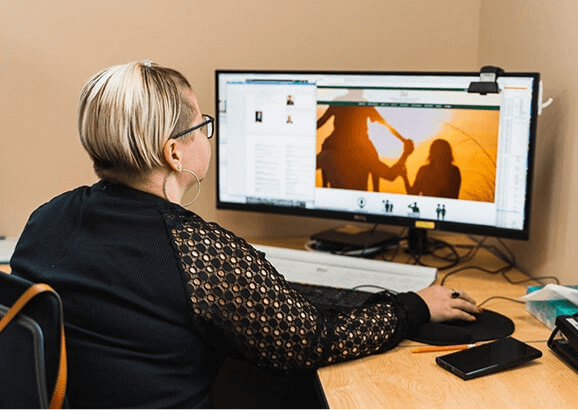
393,148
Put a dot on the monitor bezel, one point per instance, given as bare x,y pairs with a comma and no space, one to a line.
408,222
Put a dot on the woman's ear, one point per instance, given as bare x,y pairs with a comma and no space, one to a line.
172,155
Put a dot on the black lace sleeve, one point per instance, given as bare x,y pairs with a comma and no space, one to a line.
234,287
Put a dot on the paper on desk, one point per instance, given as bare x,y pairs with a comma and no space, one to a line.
553,292
7,246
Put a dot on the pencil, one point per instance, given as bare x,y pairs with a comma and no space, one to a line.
443,348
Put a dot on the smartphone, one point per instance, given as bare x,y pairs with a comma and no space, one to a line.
488,358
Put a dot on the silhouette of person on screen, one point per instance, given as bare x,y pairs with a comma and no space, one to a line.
348,156
439,177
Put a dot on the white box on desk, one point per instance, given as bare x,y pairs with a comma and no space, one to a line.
546,311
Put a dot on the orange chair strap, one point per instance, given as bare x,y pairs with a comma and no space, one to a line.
29,294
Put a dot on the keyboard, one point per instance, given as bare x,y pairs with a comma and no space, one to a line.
348,273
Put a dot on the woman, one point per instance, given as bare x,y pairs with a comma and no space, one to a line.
439,177
154,296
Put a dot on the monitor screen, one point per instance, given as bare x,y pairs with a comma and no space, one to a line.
395,148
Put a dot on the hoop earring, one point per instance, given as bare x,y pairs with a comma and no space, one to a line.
188,172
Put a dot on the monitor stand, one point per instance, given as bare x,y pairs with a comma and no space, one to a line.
419,244
349,236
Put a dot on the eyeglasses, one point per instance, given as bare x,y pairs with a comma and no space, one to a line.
207,123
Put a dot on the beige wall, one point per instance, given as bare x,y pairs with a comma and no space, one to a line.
48,49
542,36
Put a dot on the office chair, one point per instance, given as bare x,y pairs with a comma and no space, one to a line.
32,347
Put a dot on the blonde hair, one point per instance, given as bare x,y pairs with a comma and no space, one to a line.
126,113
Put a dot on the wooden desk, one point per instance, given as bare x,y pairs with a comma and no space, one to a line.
401,379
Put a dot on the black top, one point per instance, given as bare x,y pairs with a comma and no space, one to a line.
155,297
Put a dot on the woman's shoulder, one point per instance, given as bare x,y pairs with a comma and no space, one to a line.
185,222
214,244
455,170
64,199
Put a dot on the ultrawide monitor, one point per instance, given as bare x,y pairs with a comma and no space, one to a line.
395,148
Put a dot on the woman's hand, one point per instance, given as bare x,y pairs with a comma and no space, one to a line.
403,173
408,147
447,304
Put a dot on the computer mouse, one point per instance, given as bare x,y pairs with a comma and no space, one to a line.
489,325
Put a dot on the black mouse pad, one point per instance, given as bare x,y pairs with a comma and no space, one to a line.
488,326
